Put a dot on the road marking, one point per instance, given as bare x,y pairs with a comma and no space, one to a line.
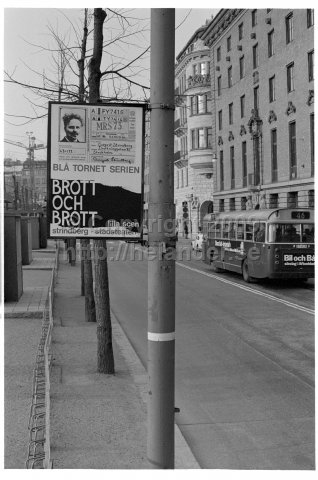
161,337
249,289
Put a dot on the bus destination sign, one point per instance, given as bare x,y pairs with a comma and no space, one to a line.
300,215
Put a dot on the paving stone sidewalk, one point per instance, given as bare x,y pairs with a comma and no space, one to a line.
98,421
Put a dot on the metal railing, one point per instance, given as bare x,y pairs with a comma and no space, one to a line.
39,456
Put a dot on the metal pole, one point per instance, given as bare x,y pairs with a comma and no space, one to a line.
162,241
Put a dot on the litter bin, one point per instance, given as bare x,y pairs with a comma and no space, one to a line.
35,230
26,240
13,278
43,234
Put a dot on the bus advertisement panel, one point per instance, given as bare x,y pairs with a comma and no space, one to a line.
95,170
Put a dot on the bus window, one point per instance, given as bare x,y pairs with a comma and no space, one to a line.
248,231
240,231
232,232
285,233
225,230
291,232
259,232
211,230
217,230
308,233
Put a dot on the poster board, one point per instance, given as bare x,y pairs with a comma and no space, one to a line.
95,170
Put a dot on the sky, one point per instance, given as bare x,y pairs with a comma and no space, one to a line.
26,29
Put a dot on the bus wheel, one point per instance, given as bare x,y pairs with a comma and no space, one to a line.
246,275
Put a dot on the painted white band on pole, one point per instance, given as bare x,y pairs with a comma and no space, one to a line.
161,337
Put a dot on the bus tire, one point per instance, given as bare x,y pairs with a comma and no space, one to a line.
245,272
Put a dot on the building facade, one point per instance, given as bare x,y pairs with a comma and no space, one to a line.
193,161
262,93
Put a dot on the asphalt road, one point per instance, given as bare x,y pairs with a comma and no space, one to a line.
244,361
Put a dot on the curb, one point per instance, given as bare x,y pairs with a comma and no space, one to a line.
184,458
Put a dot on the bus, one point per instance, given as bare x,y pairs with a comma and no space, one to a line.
271,243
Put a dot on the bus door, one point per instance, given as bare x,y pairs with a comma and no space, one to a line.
259,252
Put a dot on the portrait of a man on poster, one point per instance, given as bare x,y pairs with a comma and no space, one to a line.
72,127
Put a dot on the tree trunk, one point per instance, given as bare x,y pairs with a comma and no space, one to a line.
90,311
105,356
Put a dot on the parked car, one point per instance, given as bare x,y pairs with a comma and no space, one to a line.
197,242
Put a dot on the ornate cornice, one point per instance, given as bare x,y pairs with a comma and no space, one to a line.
219,24
231,136
220,140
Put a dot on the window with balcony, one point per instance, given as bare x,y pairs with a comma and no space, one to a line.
289,23
310,66
232,167
310,17
255,56
240,31
242,67
242,104
220,116
231,114
201,68
229,77
272,89
290,77
200,104
254,18
274,155
201,138
292,150
244,164
270,43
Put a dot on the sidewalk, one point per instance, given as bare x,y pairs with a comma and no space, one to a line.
22,331
97,421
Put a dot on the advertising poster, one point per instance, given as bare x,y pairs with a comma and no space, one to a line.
95,165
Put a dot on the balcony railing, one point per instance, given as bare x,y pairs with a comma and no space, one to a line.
199,80
179,128
181,159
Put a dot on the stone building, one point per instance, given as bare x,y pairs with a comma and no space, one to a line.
262,102
194,156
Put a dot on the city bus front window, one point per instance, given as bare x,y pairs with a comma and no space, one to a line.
308,233
285,233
